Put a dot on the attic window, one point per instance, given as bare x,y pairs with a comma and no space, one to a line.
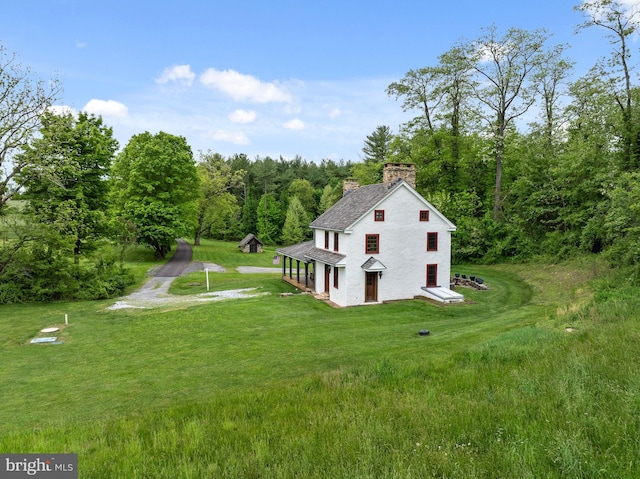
378,215
424,215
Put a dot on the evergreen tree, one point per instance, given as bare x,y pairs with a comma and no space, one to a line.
376,145
269,221
249,216
296,223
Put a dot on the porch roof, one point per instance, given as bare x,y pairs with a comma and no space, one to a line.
307,252
373,264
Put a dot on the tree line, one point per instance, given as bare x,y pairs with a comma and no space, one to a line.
564,183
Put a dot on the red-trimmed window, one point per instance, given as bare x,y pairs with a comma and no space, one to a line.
372,244
432,241
424,215
432,275
378,215
335,277
326,240
336,236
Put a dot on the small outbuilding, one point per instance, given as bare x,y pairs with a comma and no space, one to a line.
251,244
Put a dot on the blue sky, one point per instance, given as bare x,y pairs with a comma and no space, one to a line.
266,78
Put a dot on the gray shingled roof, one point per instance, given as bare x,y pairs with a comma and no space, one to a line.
297,251
351,207
372,261
248,238
307,251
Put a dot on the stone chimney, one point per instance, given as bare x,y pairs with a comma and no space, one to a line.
394,172
350,184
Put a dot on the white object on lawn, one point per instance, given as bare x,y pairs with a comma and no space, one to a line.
43,340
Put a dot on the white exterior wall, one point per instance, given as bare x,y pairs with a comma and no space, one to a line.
318,239
403,250
339,296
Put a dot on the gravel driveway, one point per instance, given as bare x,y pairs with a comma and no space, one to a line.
155,292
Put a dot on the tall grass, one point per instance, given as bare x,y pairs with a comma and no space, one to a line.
290,387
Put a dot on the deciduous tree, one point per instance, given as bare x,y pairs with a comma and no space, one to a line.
505,66
216,179
66,180
621,21
305,193
23,99
156,186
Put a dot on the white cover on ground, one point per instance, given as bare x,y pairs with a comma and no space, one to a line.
444,295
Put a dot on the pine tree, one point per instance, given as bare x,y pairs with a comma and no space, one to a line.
376,145
296,223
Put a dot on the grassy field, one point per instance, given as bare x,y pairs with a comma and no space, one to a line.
277,387
228,255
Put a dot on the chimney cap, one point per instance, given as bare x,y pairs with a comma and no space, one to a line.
399,163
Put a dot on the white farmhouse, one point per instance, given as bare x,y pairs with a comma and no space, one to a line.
378,243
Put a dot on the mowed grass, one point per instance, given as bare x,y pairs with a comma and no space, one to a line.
290,387
229,256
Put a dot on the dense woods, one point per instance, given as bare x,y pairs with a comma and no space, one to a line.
527,160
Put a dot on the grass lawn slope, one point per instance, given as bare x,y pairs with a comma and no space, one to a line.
536,377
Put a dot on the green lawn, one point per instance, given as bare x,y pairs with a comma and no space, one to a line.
230,257
290,387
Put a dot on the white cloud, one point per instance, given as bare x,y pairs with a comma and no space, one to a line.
80,44
180,74
235,137
210,121
244,87
295,124
334,113
107,108
292,109
243,116
61,110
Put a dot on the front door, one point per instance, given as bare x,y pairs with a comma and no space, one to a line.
327,275
371,287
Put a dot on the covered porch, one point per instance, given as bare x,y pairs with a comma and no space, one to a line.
297,269
299,265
